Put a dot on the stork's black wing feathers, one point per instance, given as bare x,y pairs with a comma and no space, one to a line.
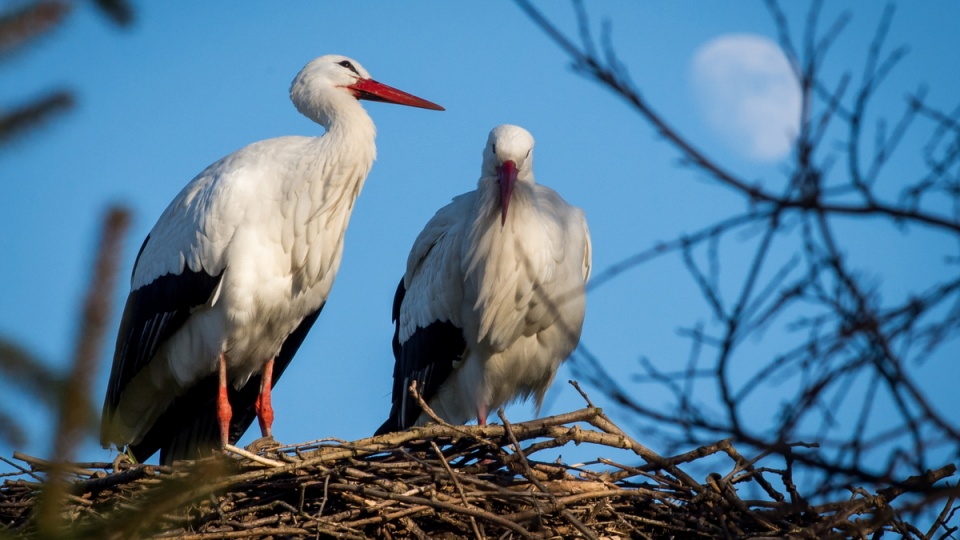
152,314
189,427
427,357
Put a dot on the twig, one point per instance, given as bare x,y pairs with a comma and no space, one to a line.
456,483
253,457
533,478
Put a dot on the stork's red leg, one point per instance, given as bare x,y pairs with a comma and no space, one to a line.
224,411
482,421
263,405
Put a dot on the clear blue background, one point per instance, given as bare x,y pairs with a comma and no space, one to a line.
190,82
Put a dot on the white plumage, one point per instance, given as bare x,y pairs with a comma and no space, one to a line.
235,272
493,297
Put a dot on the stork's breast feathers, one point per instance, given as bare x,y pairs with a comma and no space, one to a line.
524,273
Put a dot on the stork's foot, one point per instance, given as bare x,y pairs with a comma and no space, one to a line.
262,444
124,460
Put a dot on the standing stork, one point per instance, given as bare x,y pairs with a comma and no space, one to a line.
235,272
493,297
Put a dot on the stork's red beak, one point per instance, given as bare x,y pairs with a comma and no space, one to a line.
372,90
507,173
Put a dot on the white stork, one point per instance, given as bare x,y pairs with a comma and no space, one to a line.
235,272
492,300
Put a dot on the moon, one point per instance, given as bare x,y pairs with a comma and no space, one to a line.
748,95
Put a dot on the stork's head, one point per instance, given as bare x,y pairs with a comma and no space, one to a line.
326,85
508,156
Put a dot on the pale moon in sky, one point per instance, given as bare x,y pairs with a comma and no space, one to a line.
748,94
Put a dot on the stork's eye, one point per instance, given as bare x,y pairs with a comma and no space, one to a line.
494,148
347,64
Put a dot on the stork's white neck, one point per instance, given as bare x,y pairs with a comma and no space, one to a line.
324,179
344,156
351,134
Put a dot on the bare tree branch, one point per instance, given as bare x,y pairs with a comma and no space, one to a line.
835,330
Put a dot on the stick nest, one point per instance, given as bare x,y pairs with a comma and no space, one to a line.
438,481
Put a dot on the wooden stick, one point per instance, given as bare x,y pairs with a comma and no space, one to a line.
253,457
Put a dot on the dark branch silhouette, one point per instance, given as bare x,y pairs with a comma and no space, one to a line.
834,329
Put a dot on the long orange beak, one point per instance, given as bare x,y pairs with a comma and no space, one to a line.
372,90
507,174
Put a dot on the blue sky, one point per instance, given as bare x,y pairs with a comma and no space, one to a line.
187,85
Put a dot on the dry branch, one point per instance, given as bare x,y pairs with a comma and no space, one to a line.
801,313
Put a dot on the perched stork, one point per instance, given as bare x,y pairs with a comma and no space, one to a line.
235,272
492,300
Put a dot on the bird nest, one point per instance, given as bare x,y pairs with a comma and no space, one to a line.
438,481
